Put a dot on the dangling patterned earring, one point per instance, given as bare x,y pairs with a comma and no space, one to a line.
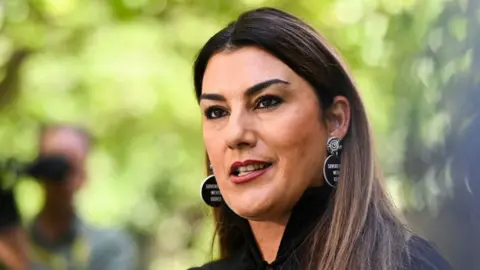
210,192
331,167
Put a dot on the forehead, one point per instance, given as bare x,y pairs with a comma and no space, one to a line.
242,68
64,141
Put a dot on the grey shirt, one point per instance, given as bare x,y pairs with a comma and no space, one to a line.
83,247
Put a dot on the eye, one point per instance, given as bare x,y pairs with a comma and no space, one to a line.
215,112
266,102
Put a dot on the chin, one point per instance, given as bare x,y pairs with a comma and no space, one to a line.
251,207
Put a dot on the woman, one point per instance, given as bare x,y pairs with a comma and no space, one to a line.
281,114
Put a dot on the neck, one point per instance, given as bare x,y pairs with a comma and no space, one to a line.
268,235
53,223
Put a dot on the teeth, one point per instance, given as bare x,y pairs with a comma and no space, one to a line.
243,173
243,170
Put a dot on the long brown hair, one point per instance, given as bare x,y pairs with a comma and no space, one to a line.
359,229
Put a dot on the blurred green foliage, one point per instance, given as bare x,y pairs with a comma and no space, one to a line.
123,69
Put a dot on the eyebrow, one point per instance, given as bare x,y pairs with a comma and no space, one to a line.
252,90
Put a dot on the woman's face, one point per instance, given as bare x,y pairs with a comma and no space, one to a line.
263,132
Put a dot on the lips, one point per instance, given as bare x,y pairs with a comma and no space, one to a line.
248,170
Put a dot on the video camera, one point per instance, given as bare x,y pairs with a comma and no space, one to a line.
50,168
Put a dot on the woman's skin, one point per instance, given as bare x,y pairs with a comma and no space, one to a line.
256,108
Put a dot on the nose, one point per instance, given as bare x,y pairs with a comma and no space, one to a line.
240,131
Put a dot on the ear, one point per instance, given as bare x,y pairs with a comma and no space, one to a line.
338,117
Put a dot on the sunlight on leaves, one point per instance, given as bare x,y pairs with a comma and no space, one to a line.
458,28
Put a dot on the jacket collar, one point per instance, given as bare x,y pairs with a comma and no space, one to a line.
305,216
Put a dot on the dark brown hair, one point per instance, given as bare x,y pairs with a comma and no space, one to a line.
359,229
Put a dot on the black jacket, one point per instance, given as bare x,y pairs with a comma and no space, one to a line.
304,217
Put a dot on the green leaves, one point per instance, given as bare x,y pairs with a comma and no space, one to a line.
124,69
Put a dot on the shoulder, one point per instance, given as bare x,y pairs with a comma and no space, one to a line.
111,240
422,255
111,248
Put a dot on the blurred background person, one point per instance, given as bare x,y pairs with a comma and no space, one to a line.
59,238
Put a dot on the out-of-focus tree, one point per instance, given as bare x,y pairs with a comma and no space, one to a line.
442,145
123,69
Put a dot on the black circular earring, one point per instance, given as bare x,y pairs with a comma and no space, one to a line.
331,167
210,192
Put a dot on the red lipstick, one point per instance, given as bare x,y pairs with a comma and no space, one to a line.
239,173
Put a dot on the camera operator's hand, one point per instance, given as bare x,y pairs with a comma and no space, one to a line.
12,236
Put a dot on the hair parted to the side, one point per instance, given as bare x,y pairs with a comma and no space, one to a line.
359,229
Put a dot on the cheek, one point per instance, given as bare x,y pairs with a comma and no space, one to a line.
298,140
79,182
214,147
297,131
208,136
209,141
